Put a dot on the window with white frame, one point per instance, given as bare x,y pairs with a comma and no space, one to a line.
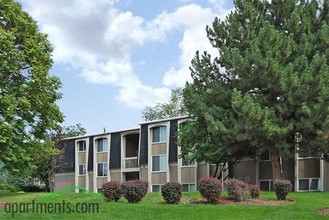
159,163
159,134
82,190
309,184
82,169
102,169
81,146
266,185
101,145
156,188
100,190
188,187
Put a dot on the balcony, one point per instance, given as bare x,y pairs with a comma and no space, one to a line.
130,164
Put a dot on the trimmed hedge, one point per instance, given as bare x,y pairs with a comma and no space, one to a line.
172,192
112,190
237,189
282,188
135,190
210,188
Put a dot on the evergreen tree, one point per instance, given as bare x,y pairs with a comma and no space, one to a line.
269,81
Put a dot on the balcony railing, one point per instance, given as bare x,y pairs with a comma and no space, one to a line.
129,163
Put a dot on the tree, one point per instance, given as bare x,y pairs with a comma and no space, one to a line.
51,154
269,81
173,108
28,94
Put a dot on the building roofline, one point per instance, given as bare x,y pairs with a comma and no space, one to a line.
164,119
101,134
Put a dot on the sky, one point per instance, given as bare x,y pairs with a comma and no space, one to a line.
115,57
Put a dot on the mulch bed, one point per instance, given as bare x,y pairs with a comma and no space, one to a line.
324,211
229,201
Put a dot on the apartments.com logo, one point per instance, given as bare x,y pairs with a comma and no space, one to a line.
40,206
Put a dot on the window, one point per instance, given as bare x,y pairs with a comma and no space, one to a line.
266,185
102,145
82,169
82,190
159,163
188,187
156,188
159,134
99,190
309,184
82,145
102,169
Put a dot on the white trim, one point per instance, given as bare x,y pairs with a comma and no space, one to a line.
164,120
95,173
296,170
321,187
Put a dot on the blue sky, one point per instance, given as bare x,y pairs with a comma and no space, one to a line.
115,57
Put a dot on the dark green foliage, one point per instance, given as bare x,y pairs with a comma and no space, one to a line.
6,187
135,190
269,81
112,190
210,188
172,192
28,93
32,188
254,191
237,189
282,188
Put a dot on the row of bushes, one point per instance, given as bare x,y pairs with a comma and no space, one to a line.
210,188
133,190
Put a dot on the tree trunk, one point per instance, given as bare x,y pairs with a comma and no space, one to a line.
276,166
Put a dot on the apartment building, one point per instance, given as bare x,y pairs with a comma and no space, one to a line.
150,152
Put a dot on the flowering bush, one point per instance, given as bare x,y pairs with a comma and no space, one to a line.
210,188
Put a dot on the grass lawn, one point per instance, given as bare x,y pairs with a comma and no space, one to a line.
307,206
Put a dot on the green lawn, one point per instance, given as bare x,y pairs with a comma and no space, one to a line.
306,207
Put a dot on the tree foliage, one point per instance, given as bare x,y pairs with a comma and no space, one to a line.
50,157
173,108
28,94
268,82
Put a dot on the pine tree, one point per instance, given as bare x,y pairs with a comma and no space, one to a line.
269,81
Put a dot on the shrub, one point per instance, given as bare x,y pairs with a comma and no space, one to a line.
237,189
254,191
32,188
6,187
112,190
172,192
134,190
210,188
282,188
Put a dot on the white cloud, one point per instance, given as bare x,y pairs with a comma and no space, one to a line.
99,39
